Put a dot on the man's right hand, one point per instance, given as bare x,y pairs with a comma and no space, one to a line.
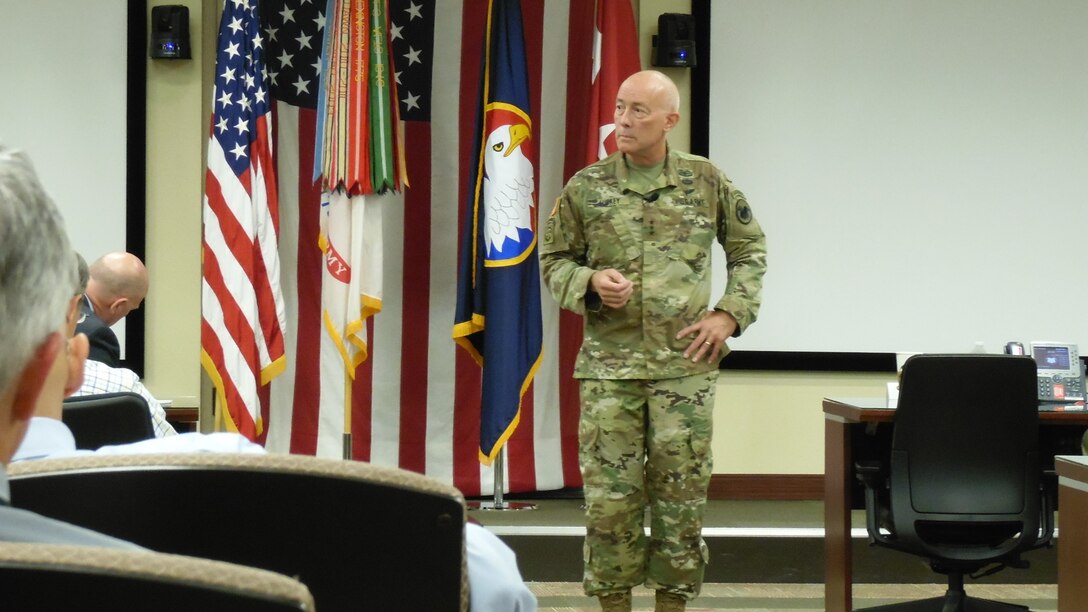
613,288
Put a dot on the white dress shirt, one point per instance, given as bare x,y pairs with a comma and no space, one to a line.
46,437
495,584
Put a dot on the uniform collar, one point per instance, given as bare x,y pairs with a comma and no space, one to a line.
668,178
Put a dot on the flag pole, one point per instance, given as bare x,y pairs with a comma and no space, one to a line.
347,417
498,502
499,486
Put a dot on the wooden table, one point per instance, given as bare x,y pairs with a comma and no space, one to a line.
1073,528
183,419
857,428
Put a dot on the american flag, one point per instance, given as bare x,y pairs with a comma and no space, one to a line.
415,401
293,31
242,310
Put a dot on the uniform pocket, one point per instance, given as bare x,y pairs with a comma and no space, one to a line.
702,460
700,446
589,457
691,247
588,434
609,242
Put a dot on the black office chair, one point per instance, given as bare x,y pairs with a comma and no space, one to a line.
107,418
964,487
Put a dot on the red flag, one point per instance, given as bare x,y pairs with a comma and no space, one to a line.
615,57
606,53
242,307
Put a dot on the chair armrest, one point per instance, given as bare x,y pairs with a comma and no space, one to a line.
871,473
1048,486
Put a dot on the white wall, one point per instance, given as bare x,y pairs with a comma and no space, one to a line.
918,166
65,83
64,72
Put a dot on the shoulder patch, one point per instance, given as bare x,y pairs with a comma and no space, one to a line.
744,213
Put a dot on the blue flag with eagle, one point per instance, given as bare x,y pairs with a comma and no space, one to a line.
498,284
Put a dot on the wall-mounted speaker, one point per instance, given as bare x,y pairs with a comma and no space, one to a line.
674,44
170,32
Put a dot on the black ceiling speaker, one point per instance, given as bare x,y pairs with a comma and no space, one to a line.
674,44
170,32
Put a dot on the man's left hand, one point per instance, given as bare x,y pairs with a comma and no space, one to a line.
709,335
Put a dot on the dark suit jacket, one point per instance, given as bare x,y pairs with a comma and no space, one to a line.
104,344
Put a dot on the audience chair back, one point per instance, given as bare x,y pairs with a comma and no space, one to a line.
107,418
964,486
39,577
360,536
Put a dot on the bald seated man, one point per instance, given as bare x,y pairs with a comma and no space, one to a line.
118,285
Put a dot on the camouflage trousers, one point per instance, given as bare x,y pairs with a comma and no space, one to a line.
646,443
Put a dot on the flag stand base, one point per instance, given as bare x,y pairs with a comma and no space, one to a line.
499,503
500,506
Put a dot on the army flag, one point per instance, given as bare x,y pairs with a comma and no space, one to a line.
498,289
351,280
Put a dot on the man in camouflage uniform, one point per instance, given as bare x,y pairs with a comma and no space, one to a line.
628,246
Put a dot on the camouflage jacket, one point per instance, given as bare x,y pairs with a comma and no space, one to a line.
660,240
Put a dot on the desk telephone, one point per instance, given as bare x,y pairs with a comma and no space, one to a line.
1059,368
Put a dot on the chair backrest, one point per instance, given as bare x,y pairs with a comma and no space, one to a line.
361,536
964,460
54,577
107,418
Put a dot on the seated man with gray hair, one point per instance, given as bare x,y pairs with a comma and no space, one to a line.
36,307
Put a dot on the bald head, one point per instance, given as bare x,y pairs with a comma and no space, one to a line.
647,107
657,86
118,285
